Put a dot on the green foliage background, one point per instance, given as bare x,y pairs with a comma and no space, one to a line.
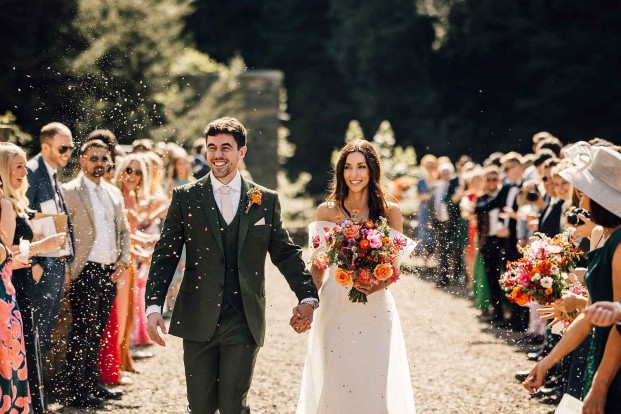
451,76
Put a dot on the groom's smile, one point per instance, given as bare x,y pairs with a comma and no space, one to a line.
223,156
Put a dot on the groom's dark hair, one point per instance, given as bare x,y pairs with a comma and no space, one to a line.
227,125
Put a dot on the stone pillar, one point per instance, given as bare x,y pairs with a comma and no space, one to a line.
261,96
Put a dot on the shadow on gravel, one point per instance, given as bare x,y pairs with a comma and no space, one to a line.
458,289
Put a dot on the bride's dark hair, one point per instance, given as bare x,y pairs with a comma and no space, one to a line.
378,206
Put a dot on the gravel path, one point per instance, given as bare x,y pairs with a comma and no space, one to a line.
458,365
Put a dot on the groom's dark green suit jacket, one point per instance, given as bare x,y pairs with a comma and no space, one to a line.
192,220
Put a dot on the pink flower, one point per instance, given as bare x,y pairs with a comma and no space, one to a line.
363,276
523,277
316,241
321,261
375,239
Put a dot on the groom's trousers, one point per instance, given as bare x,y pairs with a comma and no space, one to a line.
219,372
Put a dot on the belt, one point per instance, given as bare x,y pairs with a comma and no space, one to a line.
103,266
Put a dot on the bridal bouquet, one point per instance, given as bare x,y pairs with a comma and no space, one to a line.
363,251
543,273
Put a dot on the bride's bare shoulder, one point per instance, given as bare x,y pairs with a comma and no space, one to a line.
327,211
395,217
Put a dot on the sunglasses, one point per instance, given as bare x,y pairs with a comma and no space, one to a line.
492,180
64,148
95,159
130,171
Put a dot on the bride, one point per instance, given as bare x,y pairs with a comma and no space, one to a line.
356,360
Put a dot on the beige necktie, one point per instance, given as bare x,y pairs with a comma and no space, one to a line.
226,205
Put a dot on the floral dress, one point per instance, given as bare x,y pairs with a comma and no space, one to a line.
14,390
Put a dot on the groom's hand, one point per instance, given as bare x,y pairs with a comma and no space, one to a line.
302,317
153,321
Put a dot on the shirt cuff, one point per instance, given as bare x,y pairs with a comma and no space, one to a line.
153,309
311,301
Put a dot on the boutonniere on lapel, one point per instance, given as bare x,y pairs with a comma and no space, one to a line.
254,197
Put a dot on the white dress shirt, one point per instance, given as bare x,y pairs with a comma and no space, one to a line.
235,193
104,249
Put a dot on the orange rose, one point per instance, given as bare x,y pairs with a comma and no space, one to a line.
383,272
368,224
519,297
385,241
352,232
364,244
549,291
343,277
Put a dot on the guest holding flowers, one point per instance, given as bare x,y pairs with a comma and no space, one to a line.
599,182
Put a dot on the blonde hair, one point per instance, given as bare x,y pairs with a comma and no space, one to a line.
17,196
121,166
155,169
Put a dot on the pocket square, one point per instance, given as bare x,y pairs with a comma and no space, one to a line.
260,222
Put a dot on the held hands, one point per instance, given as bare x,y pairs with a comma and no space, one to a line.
603,313
302,317
153,321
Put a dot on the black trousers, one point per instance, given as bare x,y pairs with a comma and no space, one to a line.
92,295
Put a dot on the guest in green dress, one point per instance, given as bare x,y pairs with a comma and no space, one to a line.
597,176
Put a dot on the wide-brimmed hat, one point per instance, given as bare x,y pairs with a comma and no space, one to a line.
597,173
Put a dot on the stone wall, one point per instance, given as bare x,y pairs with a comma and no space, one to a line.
261,96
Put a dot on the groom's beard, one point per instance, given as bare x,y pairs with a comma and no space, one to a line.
223,171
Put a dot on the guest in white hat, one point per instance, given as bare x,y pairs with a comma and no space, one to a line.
597,175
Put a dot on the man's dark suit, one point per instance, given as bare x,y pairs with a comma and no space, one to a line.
550,222
507,250
203,315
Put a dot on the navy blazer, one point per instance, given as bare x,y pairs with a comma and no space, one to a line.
41,189
500,202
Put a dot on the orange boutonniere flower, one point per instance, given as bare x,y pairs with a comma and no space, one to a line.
254,197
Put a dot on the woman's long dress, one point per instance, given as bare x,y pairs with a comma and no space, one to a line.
14,390
599,282
356,360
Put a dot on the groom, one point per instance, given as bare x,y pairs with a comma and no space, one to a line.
228,225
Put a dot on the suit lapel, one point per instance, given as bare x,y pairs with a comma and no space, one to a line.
208,202
244,220
86,200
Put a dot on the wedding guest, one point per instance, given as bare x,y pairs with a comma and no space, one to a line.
28,285
13,364
599,181
444,214
46,196
425,183
200,167
114,355
506,202
101,255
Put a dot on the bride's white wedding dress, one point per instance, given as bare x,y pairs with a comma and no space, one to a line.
356,360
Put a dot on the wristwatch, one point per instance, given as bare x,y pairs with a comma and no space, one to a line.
311,301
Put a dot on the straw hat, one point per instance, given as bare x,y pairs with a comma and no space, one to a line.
597,173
